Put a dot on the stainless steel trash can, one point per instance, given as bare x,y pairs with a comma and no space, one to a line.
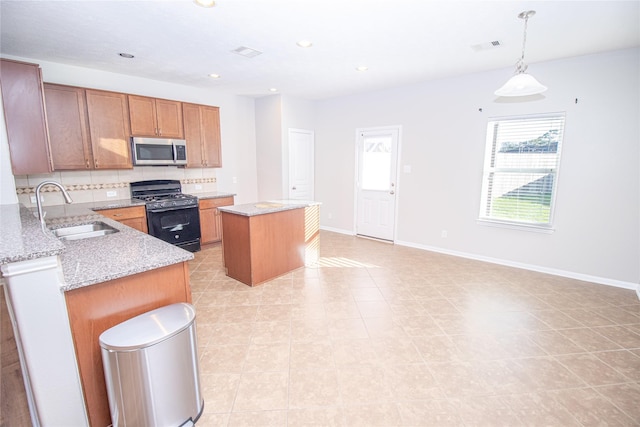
151,369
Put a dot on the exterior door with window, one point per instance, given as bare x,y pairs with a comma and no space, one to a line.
376,182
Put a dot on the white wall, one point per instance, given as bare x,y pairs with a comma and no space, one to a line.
236,116
597,225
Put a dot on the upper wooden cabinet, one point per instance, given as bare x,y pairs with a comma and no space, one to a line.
155,117
68,127
109,129
23,101
202,133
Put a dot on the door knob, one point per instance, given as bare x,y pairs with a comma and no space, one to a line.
293,188
392,192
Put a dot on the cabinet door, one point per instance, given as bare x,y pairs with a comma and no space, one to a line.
211,219
193,135
142,114
202,132
68,128
109,129
211,146
169,118
24,113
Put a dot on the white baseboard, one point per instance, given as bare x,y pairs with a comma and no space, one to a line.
531,267
338,230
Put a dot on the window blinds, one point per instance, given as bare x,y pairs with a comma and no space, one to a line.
520,170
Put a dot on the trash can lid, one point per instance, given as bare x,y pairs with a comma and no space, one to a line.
148,328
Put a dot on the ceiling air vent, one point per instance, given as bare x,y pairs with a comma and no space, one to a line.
247,52
486,46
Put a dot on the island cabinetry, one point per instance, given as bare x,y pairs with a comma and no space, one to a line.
202,133
68,127
94,309
210,219
23,102
261,247
109,132
155,117
134,216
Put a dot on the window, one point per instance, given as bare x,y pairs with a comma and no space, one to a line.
520,170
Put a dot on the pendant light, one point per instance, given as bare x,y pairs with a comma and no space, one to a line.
522,83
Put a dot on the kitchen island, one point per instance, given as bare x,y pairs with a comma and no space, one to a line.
264,240
62,295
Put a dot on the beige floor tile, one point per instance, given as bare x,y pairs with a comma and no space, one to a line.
625,397
313,389
261,418
623,361
591,409
591,369
267,358
363,384
387,335
429,413
262,391
372,415
311,355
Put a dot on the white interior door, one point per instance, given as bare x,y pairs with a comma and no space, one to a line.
376,182
301,164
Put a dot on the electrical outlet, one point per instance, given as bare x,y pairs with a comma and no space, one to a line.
33,199
112,193
443,234
330,216
198,186
234,180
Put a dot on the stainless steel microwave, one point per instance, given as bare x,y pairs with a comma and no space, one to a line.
158,151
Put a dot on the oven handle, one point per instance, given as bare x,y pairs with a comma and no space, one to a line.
171,209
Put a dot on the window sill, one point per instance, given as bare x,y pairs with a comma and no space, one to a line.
516,226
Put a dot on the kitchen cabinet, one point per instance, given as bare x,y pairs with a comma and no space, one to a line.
96,308
134,216
24,113
68,127
108,115
155,117
210,219
202,133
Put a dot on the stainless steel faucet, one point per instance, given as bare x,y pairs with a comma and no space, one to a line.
67,199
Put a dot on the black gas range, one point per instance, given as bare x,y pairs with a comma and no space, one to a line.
171,215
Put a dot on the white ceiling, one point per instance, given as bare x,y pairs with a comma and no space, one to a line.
401,41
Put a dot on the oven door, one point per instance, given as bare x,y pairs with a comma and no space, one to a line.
178,226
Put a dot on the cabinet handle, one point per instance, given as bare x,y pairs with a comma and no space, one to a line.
117,214
95,163
87,163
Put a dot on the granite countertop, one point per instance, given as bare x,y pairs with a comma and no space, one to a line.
213,195
270,206
88,261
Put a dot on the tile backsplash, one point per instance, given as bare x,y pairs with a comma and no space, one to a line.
105,185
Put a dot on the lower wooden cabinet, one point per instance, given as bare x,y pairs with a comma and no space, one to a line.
210,220
96,308
134,216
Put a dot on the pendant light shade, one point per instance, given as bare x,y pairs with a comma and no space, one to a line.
522,83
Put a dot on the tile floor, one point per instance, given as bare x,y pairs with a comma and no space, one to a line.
385,335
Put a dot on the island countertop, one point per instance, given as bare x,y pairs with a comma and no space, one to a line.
270,206
88,261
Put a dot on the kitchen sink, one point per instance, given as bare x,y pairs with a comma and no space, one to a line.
84,231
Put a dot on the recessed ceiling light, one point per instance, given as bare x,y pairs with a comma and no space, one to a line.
205,3
304,43
126,55
273,89
214,76
362,68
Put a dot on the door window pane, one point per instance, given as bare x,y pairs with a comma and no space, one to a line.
376,164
